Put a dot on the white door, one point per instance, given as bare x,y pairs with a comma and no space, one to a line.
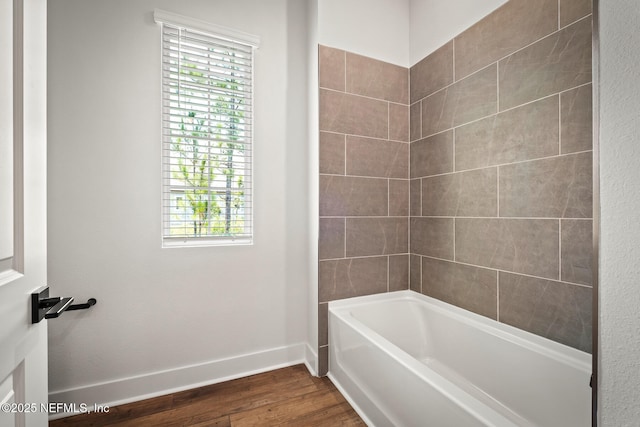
23,262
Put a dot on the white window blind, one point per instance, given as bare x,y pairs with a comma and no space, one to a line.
207,139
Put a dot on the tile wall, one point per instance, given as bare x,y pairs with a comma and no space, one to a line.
364,180
471,184
501,169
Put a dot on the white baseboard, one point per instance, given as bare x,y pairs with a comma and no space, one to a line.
132,389
311,359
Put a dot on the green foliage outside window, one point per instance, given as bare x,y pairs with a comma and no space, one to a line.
208,152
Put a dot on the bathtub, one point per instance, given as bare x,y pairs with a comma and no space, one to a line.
405,359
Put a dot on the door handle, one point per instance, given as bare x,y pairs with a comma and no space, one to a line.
58,308
45,307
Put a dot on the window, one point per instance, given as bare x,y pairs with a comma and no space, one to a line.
207,133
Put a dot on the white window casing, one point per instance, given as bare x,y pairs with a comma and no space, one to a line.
207,133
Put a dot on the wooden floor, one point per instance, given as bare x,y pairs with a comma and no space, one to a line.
284,397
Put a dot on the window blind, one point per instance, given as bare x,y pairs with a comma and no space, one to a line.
207,118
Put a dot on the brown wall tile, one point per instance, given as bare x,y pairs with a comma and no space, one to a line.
351,196
432,237
557,187
352,277
398,272
471,288
468,99
415,121
576,120
524,133
553,64
323,324
323,360
398,197
352,114
555,310
331,63
331,242
375,157
472,193
332,150
572,10
528,246
577,251
415,208
399,122
377,79
514,25
415,273
432,73
377,236
432,155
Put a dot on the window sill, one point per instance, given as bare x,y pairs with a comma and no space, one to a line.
168,243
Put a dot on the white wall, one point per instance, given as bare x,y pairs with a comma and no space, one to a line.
212,312
398,31
619,278
375,28
435,22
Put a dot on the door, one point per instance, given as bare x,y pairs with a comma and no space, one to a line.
23,263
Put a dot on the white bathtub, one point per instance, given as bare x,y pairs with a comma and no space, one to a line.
405,359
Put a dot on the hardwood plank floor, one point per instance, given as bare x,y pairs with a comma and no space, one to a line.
284,397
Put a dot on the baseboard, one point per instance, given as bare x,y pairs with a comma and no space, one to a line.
311,359
132,389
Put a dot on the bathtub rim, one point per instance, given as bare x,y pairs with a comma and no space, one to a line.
562,352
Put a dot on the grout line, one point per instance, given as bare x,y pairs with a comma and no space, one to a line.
420,265
498,87
420,120
388,197
454,239
345,70
344,240
368,216
350,258
559,124
560,249
544,218
421,197
575,87
344,140
498,190
503,164
453,57
364,136
511,218
558,15
388,121
498,296
365,176
577,20
453,154
388,262
506,271
329,89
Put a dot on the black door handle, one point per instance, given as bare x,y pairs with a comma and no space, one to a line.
45,307
57,309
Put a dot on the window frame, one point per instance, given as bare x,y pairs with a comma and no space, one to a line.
230,36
